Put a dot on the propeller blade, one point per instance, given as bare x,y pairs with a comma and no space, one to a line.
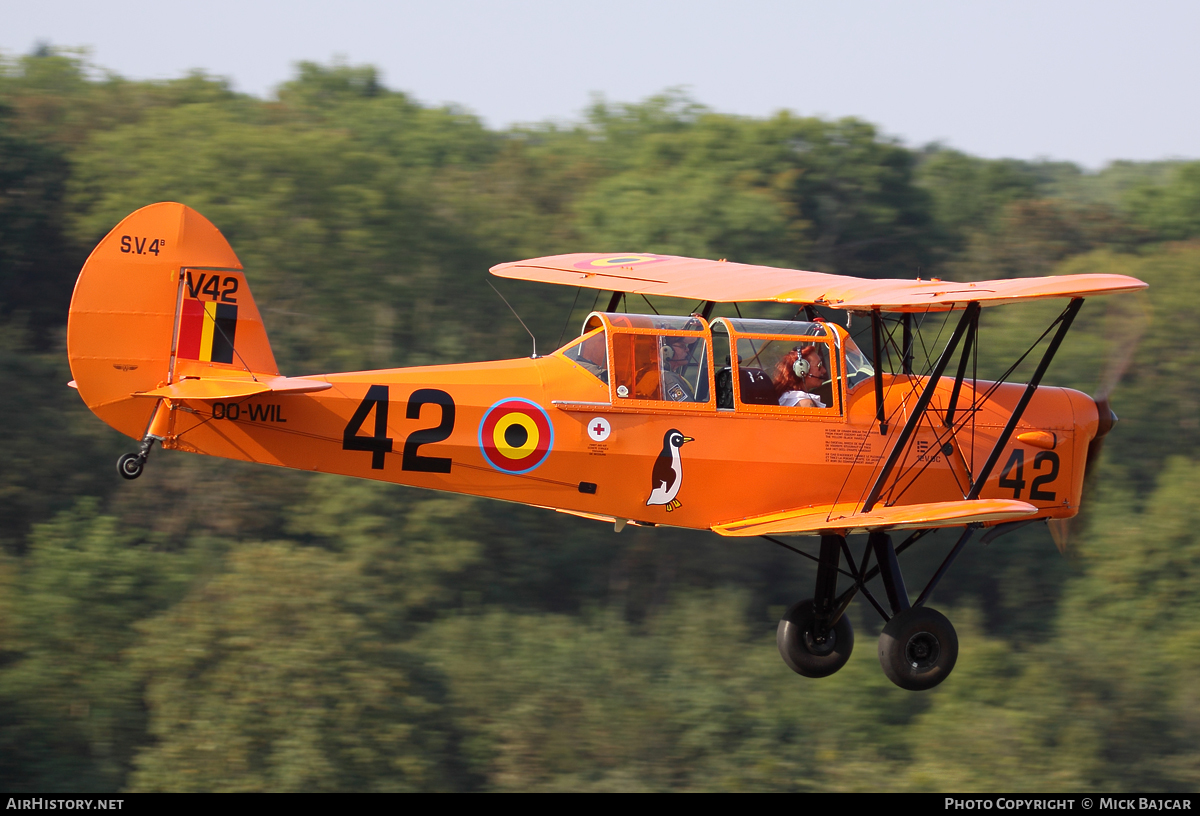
1127,331
1127,339
1107,418
1060,531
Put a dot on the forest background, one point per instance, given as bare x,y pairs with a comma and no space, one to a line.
221,626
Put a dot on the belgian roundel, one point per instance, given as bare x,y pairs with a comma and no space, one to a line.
516,435
619,260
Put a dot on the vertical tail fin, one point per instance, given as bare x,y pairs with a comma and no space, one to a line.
162,298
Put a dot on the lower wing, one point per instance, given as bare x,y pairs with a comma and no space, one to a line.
845,517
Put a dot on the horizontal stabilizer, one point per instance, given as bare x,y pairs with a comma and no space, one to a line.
843,517
212,389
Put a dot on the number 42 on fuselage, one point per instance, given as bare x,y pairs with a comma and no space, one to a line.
745,427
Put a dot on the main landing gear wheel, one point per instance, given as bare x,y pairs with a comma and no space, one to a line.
808,651
130,465
918,648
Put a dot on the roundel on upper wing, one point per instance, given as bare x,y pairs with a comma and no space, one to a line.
516,435
628,259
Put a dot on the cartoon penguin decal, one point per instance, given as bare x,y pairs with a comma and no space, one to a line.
668,471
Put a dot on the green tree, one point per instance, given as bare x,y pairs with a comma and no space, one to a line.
833,196
291,669
62,98
968,192
272,677
1129,646
1171,210
37,264
72,713
697,699
700,193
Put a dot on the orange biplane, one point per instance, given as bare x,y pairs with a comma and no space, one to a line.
746,427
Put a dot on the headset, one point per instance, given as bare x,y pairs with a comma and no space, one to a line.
802,366
668,352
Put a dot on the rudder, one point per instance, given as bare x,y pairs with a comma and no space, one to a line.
161,298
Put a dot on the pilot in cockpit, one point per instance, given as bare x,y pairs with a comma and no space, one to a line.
674,352
592,356
798,376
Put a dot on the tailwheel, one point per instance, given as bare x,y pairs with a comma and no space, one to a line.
130,465
918,648
807,649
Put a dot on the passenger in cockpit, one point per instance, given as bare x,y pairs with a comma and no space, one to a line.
798,375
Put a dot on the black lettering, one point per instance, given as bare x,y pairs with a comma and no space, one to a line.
194,288
140,243
258,413
425,436
153,246
212,288
231,286
233,410
218,410
380,443
279,414
1044,495
1015,462
125,244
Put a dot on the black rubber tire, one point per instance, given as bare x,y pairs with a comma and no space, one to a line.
806,654
129,466
918,648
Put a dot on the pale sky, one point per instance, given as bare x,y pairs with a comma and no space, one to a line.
1088,82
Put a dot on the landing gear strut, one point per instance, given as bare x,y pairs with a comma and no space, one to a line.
130,465
918,647
814,636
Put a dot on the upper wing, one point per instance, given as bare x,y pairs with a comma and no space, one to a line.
724,282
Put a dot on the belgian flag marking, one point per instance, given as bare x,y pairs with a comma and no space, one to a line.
516,435
207,331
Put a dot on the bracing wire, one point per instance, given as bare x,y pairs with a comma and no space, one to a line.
567,322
